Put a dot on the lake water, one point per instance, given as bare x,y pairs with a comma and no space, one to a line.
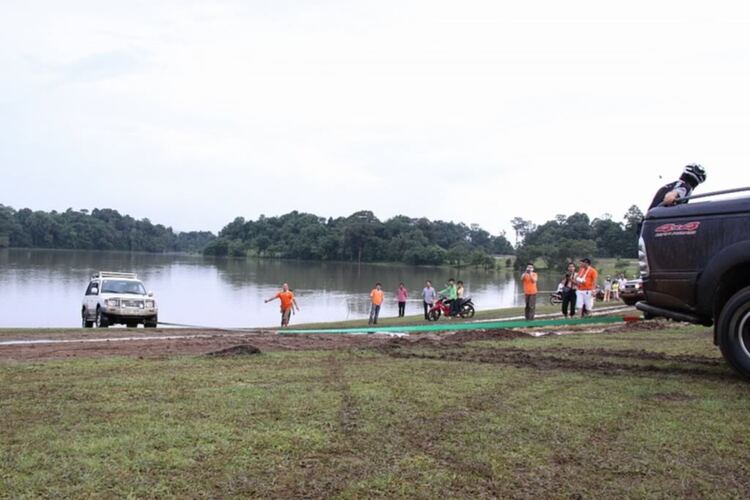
44,288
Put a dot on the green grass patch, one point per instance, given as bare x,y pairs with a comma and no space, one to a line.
633,414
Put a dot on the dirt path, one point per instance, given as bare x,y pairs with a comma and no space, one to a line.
168,342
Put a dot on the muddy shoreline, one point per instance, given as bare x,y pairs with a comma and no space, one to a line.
67,344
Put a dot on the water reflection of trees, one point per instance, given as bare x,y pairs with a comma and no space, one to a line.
350,277
78,265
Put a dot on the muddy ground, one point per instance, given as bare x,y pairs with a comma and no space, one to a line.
98,343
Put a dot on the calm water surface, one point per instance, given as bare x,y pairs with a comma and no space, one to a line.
44,288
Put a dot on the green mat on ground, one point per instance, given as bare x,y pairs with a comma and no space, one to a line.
451,326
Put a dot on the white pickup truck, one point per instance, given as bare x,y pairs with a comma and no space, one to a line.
113,298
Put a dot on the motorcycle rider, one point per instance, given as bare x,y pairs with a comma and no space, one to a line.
452,295
668,195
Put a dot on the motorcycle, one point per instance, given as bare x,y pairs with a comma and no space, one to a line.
443,308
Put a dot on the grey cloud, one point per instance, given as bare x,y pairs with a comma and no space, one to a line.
105,65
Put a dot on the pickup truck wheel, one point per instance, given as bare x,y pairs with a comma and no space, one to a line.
85,323
101,320
734,331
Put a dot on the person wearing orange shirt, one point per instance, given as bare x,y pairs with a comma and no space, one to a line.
586,280
376,297
529,279
288,303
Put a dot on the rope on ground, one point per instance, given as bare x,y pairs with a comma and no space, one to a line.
199,327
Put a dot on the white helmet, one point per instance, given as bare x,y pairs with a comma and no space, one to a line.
696,172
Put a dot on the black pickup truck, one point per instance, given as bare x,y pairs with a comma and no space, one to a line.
695,265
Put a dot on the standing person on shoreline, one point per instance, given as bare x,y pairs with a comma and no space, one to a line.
529,279
401,295
451,294
586,279
607,289
428,297
615,289
569,288
376,298
288,303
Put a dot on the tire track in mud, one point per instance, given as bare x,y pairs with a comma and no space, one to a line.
421,433
425,435
642,355
348,413
548,360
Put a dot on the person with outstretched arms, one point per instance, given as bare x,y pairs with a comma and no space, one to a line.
288,303
668,195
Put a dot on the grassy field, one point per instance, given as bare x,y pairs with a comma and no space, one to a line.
649,413
608,267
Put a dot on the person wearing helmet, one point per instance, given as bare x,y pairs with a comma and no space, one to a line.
668,195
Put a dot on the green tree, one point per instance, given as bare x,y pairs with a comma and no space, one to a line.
633,218
522,227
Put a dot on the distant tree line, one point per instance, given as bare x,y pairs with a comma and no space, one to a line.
576,236
361,237
101,229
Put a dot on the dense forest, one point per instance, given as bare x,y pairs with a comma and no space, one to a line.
361,237
576,236
101,229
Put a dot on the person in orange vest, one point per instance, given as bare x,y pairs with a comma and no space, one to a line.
586,279
376,297
288,302
529,279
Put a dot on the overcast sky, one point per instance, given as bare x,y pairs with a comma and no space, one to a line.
193,113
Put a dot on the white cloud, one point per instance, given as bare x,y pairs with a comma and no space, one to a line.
478,111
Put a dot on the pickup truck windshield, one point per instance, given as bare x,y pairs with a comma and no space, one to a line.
121,286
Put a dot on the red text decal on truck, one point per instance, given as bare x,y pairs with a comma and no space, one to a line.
688,229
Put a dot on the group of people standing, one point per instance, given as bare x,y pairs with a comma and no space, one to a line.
612,287
577,286
454,292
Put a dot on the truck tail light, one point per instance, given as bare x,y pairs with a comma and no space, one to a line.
643,258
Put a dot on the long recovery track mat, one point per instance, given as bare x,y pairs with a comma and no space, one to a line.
442,327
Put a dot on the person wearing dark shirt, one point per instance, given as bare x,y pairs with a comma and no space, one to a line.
668,195
569,287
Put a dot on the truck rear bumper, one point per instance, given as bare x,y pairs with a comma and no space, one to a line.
675,315
124,319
